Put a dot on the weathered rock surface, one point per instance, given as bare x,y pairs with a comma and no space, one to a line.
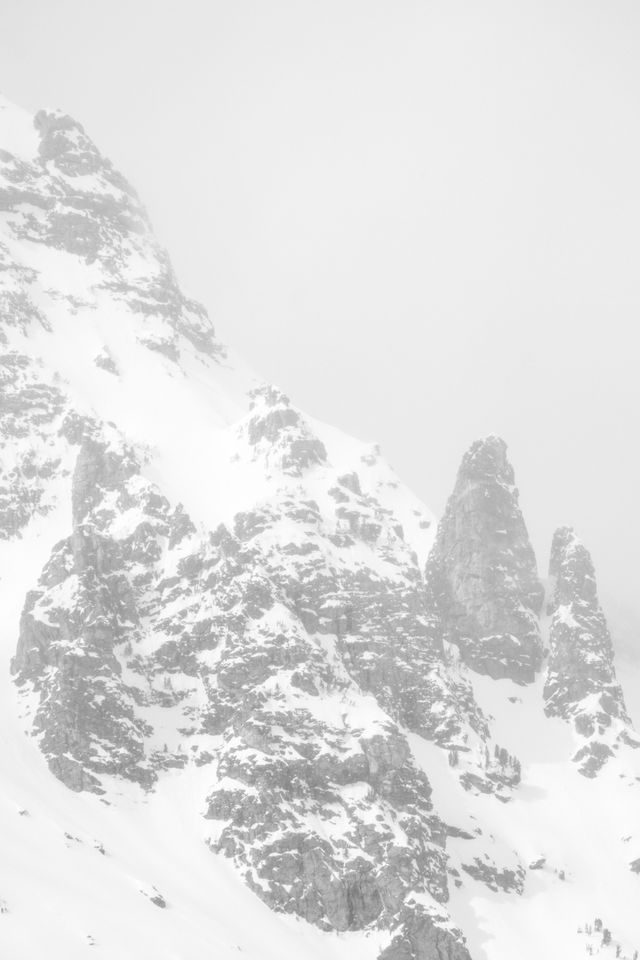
509,881
70,198
581,684
75,623
278,434
422,939
32,453
482,572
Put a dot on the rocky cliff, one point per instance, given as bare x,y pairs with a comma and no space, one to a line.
482,570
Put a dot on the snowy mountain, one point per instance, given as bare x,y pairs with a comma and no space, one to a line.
255,698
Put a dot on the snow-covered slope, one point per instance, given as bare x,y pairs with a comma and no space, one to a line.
241,712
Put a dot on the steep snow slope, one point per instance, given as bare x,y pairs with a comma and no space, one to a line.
241,718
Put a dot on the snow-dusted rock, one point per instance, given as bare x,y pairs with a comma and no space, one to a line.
84,610
32,409
581,684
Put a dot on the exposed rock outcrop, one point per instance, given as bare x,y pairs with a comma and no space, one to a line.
482,572
581,684
278,434
32,453
425,937
315,795
70,198
85,609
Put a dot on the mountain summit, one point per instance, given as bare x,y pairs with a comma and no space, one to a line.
255,698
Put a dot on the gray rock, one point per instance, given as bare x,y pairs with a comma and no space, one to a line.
496,878
581,684
278,433
31,410
70,643
102,222
482,572
422,937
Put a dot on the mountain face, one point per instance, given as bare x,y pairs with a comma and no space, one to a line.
254,697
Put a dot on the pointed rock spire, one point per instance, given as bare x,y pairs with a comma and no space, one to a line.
581,684
482,570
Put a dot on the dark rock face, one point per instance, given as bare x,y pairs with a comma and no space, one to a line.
482,572
581,684
74,626
278,433
319,804
99,470
509,881
423,939
497,774
386,637
393,648
315,795
339,834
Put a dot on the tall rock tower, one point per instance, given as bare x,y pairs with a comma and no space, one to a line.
482,570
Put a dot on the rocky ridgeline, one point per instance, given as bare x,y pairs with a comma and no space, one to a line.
581,684
482,571
33,450
69,198
343,562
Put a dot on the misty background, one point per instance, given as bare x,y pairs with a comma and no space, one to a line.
420,219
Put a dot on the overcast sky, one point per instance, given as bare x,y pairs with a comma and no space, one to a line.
420,219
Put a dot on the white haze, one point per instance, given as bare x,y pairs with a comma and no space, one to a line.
422,220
